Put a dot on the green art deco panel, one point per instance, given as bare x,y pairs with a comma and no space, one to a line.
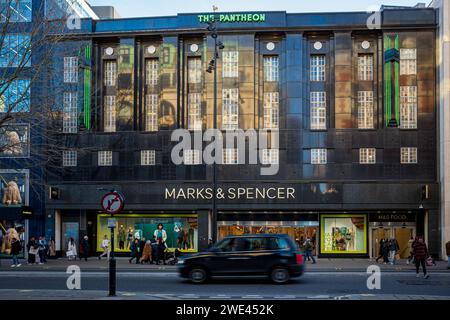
87,85
391,81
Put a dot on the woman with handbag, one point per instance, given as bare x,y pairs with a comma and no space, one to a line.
71,249
33,250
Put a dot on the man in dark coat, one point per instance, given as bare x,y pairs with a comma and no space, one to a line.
420,252
447,249
16,247
84,246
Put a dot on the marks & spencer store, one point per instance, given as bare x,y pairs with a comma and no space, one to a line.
354,109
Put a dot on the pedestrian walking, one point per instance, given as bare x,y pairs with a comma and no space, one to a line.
309,247
380,250
154,246
71,250
33,250
420,252
447,248
43,248
52,249
147,252
393,249
105,247
16,247
84,248
135,250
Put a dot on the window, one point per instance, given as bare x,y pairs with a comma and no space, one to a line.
317,68
151,112
408,62
270,156
408,107
318,156
15,11
318,110
365,67
230,64
367,155
271,66
105,158
69,158
151,72
365,109
110,73
408,155
194,112
230,109
15,51
16,97
109,114
191,157
148,157
271,110
194,70
70,69
230,156
70,115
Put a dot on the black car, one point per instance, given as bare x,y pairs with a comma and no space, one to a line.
272,255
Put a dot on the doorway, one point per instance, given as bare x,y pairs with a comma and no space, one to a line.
401,234
69,230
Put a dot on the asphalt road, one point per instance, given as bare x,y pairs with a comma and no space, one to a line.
167,285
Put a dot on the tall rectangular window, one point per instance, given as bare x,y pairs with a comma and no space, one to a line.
16,96
271,67
230,61
317,67
151,112
105,158
15,11
270,156
271,110
230,156
408,155
194,70
318,156
70,69
230,109
109,114
367,155
365,67
69,158
408,107
151,72
15,51
110,76
194,112
148,157
408,61
191,157
318,110
70,114
365,109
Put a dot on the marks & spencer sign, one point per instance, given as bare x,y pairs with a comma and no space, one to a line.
251,193
233,17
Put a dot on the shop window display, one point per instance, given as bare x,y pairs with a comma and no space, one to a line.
10,229
344,234
181,230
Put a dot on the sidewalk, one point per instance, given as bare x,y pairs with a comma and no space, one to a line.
322,265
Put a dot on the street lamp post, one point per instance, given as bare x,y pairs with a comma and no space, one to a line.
212,67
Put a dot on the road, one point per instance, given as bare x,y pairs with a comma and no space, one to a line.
167,285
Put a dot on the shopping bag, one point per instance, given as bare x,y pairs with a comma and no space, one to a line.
397,256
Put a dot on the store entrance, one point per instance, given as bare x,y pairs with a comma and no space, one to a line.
401,234
297,232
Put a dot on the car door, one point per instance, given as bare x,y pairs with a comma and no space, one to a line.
227,257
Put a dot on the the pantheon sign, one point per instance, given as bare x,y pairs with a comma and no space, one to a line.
230,193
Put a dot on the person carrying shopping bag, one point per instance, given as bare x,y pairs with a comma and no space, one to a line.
71,250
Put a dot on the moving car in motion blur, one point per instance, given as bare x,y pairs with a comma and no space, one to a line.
273,255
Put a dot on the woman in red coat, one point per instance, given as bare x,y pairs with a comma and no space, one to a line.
420,252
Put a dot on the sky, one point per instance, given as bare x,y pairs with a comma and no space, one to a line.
147,8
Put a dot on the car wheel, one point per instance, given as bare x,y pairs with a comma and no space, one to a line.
198,275
279,275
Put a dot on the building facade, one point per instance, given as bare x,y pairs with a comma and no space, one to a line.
353,107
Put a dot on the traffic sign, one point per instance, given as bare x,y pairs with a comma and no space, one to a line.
112,202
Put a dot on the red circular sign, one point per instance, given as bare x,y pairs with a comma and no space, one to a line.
112,202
